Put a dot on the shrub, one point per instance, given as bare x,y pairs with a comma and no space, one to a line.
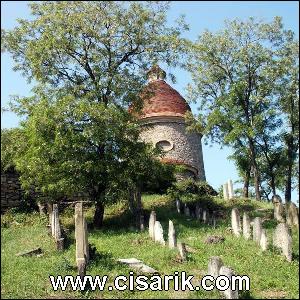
190,190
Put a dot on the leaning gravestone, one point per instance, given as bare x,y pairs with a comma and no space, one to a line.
137,265
81,236
225,191
246,226
283,240
264,240
278,211
172,235
159,233
152,221
229,293
214,265
235,221
182,250
257,227
230,189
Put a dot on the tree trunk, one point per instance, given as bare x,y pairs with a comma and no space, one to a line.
246,185
131,200
138,198
288,184
273,187
99,214
288,179
255,170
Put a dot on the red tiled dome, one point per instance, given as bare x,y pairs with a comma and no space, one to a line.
160,99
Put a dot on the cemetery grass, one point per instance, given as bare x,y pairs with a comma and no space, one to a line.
28,277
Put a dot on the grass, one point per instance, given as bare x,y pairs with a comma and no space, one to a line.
28,277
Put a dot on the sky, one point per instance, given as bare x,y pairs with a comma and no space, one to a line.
200,15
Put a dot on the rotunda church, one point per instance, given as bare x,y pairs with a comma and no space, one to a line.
163,122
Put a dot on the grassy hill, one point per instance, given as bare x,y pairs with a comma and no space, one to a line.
28,277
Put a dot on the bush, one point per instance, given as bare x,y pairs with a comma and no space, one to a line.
190,190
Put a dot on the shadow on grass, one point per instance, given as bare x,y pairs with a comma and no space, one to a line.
245,295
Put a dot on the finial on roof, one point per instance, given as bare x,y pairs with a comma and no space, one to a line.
156,73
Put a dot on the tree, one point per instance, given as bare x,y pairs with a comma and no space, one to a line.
235,76
89,61
289,105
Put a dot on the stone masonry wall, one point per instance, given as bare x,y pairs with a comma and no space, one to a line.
186,146
11,192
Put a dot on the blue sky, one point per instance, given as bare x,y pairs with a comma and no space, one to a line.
200,15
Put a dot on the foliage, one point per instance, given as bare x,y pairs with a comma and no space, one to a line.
191,190
160,179
89,61
237,74
12,140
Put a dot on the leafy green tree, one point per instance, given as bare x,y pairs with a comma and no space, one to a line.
12,140
288,89
235,74
89,61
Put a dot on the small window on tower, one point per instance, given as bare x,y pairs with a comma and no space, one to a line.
164,145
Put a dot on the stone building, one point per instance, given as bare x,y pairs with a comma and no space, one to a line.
163,122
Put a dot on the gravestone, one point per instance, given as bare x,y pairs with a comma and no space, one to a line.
182,250
278,211
137,265
178,206
264,240
56,228
229,293
225,191
152,221
198,211
283,240
214,219
172,235
159,233
292,217
187,210
214,265
246,226
230,189
205,216
81,236
142,222
235,221
276,199
257,227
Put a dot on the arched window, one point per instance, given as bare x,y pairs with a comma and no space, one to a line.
164,145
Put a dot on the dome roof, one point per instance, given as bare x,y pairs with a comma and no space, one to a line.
160,99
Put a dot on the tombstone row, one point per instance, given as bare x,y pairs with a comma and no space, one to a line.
201,214
281,236
156,233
